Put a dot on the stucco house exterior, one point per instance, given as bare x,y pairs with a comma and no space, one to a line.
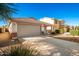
3,29
54,23
25,27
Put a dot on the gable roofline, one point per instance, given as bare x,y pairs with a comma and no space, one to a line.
27,20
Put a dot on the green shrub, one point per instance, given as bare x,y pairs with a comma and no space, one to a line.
53,33
61,30
19,51
74,32
57,31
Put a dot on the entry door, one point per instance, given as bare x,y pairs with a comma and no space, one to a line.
43,29
49,29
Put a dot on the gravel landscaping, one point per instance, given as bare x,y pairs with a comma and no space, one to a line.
49,46
67,37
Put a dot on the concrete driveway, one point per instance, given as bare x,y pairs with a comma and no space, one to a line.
54,47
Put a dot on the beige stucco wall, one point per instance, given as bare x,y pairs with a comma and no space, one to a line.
48,20
13,27
28,30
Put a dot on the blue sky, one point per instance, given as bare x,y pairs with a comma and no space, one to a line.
65,11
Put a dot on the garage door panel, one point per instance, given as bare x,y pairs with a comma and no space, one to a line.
28,30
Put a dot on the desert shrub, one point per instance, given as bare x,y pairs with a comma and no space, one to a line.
74,32
57,31
61,30
19,51
68,29
71,32
53,33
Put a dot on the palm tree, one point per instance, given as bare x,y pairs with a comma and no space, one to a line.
6,12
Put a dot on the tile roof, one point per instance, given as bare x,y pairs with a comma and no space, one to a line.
28,20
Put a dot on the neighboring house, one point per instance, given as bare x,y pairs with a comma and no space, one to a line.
25,27
66,28
0,29
55,24
3,29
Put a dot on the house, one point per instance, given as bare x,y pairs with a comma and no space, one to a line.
0,29
54,23
25,27
3,29
67,28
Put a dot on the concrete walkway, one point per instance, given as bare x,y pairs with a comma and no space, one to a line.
54,47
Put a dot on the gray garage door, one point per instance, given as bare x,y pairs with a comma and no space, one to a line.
28,30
